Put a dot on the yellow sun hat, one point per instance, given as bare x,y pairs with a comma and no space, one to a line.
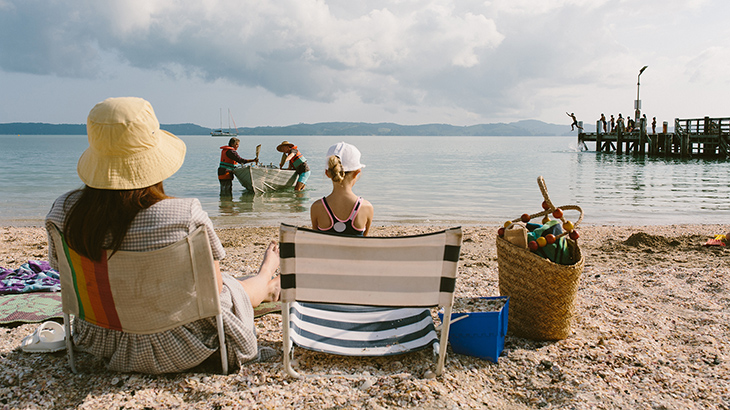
127,148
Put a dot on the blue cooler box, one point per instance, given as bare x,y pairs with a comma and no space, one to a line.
481,334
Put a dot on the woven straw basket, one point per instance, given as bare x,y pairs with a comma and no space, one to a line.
542,293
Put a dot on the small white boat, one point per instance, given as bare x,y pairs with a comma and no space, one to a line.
220,132
259,179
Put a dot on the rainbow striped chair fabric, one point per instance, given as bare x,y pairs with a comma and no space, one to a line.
365,296
141,292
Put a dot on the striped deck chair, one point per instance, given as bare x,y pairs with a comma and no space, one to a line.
365,296
117,292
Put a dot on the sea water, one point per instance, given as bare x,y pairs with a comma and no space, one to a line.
409,180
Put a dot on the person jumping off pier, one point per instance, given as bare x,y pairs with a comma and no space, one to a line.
575,121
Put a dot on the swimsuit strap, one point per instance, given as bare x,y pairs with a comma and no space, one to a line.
355,210
329,212
346,225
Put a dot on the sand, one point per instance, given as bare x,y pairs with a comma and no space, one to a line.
651,332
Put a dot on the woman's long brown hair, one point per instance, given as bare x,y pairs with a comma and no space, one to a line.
100,213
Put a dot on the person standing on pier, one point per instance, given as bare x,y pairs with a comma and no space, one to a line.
575,121
653,125
603,121
620,122
630,124
613,123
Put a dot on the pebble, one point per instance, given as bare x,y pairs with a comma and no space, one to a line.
656,346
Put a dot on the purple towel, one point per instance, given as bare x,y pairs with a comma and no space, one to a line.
34,276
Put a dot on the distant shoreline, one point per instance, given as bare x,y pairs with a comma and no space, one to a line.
526,128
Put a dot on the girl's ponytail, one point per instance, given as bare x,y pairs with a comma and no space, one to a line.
334,166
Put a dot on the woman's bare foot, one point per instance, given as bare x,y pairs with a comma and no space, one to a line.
265,286
271,260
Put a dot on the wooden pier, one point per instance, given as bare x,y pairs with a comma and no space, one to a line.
695,137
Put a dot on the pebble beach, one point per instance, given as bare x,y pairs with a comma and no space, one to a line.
651,332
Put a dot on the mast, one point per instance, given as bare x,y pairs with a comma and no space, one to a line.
233,119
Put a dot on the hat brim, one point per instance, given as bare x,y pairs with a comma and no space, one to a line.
133,171
279,148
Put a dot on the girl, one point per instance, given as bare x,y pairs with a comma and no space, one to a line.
342,211
345,213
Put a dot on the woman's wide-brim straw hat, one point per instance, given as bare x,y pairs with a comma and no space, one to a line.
127,148
283,144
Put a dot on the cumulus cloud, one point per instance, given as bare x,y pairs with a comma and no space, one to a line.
490,59
296,47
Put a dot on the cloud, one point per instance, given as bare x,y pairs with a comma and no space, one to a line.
296,47
473,59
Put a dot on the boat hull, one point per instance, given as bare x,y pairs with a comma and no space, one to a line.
263,179
219,133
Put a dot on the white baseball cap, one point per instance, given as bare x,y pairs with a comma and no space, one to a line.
348,155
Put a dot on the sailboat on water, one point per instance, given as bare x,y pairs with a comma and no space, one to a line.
232,132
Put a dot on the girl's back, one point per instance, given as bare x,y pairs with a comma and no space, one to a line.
342,211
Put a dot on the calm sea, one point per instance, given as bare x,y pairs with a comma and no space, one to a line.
409,180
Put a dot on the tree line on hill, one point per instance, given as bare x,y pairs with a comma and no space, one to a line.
519,128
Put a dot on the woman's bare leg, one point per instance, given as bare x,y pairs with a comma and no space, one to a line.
265,287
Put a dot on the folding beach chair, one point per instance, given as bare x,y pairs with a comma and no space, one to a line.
339,293
141,292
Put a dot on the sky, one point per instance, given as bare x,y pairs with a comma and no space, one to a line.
460,62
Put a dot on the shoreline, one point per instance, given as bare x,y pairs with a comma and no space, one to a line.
651,331
220,223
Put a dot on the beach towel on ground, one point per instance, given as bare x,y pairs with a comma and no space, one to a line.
34,276
32,307
718,240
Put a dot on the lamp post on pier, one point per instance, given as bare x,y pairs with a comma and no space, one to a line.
637,103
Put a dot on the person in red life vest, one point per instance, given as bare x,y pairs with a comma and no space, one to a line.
229,159
297,162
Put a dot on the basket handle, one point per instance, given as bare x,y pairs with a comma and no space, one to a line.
551,208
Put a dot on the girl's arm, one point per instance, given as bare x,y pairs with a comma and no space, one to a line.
367,210
313,215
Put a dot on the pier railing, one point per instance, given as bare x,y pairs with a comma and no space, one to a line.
691,137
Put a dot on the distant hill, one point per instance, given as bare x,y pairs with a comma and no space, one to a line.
519,128
37,128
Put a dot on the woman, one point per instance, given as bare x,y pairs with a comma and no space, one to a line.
123,206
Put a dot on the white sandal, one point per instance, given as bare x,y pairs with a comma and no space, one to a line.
49,337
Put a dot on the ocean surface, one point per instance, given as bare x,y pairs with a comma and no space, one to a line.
409,180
